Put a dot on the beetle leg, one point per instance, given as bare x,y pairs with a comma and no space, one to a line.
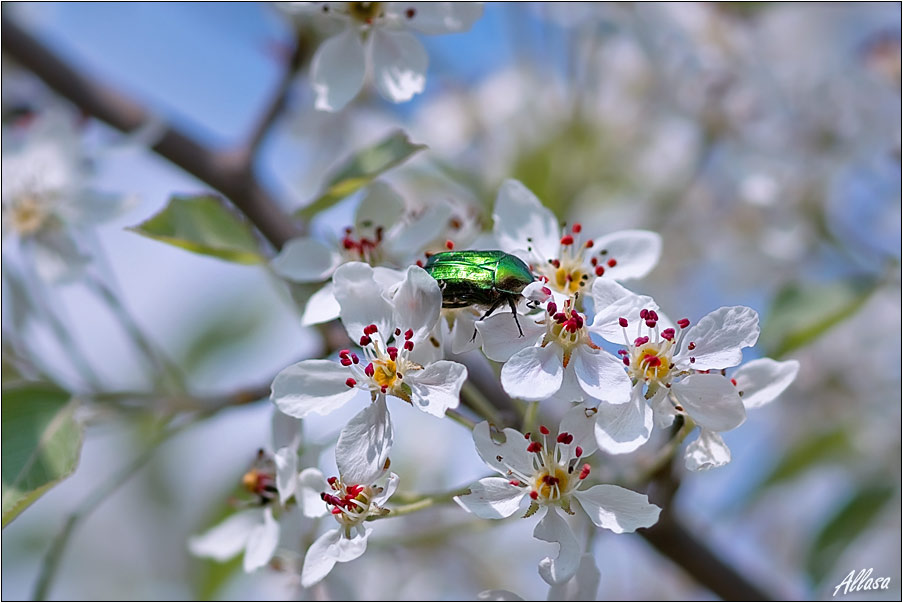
492,309
514,311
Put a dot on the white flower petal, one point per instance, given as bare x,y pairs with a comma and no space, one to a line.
364,444
763,380
625,427
437,387
411,239
399,64
380,207
553,528
387,279
510,454
720,337
286,431
518,215
56,256
501,339
534,373
583,586
321,307
329,549
436,18
711,401
89,207
337,70
707,452
635,251
311,386
388,490
262,542
417,303
663,410
226,539
305,260
611,302
492,498
360,298
580,422
498,595
617,509
601,375
286,460
465,335
311,484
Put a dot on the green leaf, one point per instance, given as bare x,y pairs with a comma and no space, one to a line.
205,225
844,526
41,443
360,169
801,314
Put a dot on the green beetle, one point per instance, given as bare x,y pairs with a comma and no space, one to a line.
481,278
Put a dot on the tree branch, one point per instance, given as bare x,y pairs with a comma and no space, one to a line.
230,173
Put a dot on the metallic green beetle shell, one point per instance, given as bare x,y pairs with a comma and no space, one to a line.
477,277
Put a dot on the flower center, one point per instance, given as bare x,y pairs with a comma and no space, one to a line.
364,249
573,269
551,483
350,505
28,215
652,362
384,367
385,373
260,480
649,357
566,328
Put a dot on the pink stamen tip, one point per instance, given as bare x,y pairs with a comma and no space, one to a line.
332,480
644,313
578,451
626,361
350,382
372,329
408,334
449,245
584,473
369,370
653,315
392,352
355,359
589,243
534,447
594,261
734,382
683,323
576,228
397,332
419,263
410,13
346,361
547,291
534,494
668,334
365,340
567,240
543,430
527,435
640,341
653,360
622,321
562,437
622,352
612,263
692,360
552,308
344,352
384,388
514,482
600,270
691,345
650,323
409,345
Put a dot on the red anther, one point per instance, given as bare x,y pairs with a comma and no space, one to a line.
653,315
578,451
668,334
355,359
379,233
354,490
365,340
612,263
584,473
567,240
409,345
392,352
577,227
336,510
543,430
626,361
691,345
419,263
410,13
348,230
527,435
560,317
552,308
564,438
644,313
408,334
692,360
547,291
600,270
346,361
371,329
650,323
640,341
622,321
347,243
734,382
556,263
384,388
594,261
622,352
652,360
683,323
397,332
344,352
369,371
579,320
514,482
449,245
332,480
569,277
534,494
534,447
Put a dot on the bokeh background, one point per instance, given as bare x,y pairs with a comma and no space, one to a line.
762,141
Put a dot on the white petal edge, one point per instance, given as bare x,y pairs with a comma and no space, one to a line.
617,509
311,483
305,260
601,375
226,539
399,64
719,338
763,380
364,444
710,400
337,70
555,529
321,307
534,373
492,498
262,542
707,451
636,252
437,387
311,386
623,428
518,215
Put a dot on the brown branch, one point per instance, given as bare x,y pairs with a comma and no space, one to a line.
230,173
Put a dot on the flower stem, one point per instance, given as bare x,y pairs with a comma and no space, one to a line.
459,418
476,400
424,503
531,416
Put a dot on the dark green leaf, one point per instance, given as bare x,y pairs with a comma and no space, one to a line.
41,443
801,314
360,169
205,225
844,526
